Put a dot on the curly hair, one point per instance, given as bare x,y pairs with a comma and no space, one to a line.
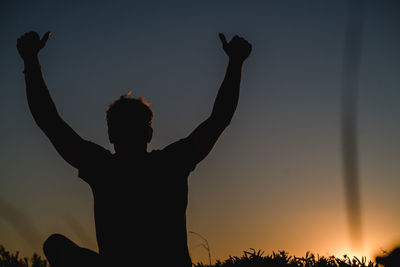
127,108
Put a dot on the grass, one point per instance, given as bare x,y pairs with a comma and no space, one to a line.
282,258
249,258
9,259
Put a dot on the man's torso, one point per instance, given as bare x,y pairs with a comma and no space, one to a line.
140,205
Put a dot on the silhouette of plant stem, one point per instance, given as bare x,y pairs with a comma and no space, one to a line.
204,245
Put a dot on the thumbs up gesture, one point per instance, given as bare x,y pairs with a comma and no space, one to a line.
237,49
30,44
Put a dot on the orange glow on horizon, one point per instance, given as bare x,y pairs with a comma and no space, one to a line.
360,253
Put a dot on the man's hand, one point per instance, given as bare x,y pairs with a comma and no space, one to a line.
237,49
30,44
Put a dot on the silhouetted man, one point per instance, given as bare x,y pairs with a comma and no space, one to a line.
140,197
391,259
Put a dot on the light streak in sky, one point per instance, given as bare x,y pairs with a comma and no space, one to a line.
79,231
21,223
350,83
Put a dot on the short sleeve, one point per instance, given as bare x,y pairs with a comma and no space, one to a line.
94,164
180,155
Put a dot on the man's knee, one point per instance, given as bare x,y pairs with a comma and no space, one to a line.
60,251
54,245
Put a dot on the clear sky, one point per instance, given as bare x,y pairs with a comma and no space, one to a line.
274,181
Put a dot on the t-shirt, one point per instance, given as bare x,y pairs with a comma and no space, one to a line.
140,203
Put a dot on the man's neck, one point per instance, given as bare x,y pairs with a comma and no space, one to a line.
130,150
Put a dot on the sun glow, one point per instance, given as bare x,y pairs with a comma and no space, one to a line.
359,253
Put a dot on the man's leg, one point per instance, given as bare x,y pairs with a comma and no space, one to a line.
62,252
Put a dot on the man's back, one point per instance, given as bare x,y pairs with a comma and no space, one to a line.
140,203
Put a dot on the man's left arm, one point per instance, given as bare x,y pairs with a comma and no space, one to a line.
199,143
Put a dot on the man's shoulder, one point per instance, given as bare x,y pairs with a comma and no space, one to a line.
98,159
175,155
157,154
97,150
168,151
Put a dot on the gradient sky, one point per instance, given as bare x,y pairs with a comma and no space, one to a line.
274,180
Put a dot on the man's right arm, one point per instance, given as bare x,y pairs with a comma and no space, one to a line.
67,142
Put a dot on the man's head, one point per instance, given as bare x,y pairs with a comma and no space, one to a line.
129,121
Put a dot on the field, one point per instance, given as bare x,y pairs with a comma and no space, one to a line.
249,258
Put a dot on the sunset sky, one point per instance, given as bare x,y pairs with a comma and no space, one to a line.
274,180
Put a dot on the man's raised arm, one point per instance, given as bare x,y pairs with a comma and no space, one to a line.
68,143
200,142
238,49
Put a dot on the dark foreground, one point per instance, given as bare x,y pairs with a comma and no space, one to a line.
252,258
